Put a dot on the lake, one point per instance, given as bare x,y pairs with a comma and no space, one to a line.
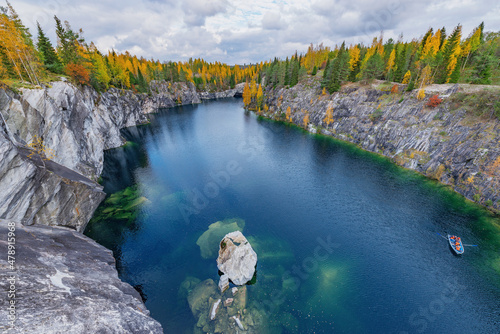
347,242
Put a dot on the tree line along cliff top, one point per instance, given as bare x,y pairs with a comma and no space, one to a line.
436,57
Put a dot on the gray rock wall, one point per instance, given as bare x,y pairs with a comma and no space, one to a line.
237,91
448,145
38,191
64,282
76,126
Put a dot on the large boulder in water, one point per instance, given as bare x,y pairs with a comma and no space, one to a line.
237,259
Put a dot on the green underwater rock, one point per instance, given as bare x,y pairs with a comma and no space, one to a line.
210,239
122,205
187,286
198,297
272,251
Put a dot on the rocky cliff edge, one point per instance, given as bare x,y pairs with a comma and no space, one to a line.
445,142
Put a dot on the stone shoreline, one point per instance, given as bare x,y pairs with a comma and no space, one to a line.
448,145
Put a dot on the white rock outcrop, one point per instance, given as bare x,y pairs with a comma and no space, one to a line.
237,259
223,283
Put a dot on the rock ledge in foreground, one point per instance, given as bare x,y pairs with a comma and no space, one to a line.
68,283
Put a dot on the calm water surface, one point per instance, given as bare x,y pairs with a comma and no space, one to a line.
383,269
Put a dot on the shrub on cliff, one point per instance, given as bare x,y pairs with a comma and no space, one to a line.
79,73
434,101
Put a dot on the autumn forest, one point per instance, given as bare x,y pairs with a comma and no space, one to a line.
437,57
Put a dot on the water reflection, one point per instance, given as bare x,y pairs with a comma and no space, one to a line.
293,188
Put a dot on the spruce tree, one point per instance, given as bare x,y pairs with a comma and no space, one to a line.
448,51
287,72
49,56
232,81
443,37
294,79
339,70
482,69
314,71
327,69
374,67
143,85
67,43
401,64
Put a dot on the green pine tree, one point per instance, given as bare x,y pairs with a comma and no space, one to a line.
401,62
294,79
287,72
143,85
452,42
47,52
374,67
339,70
314,71
482,69
67,43
443,37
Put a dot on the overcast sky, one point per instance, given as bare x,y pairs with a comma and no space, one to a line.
241,31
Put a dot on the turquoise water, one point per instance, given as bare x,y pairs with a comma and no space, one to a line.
346,240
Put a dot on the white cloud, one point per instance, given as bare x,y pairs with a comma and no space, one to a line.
272,21
249,31
196,11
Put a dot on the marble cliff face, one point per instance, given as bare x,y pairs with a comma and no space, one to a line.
444,143
53,183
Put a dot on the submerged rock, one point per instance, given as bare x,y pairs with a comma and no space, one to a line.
215,308
209,240
240,300
223,313
187,286
238,322
223,283
237,259
198,298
